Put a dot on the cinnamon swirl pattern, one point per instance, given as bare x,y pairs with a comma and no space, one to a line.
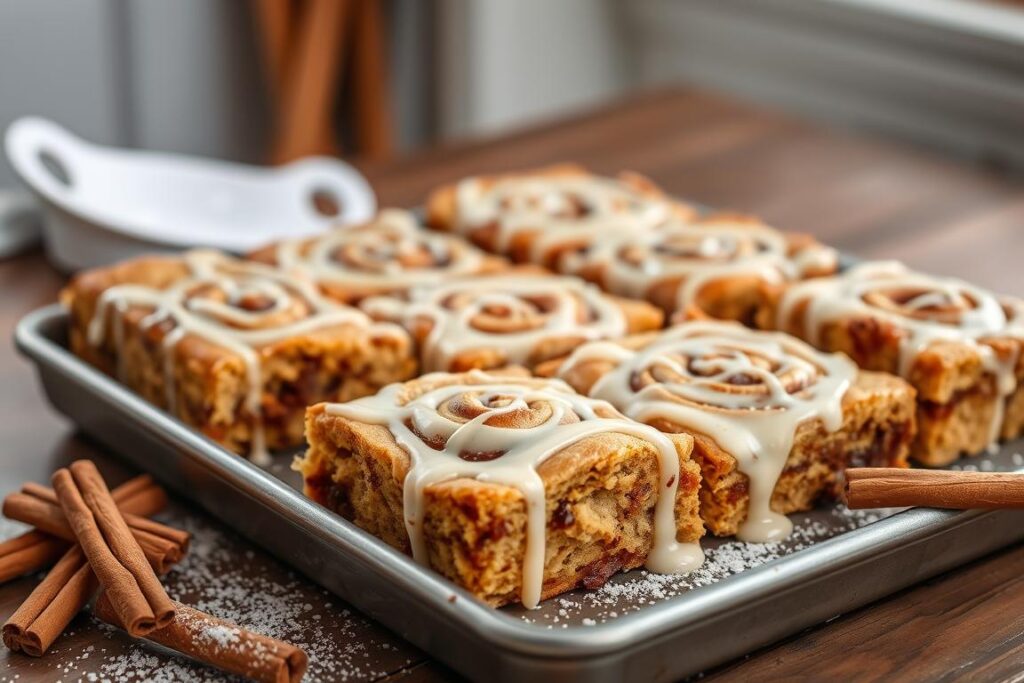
747,391
678,265
499,429
388,255
532,217
235,305
924,315
494,321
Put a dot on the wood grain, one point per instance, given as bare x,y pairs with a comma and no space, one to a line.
878,199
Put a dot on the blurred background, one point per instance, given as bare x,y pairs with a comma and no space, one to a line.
220,78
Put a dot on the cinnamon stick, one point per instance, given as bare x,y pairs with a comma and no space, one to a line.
136,502
166,544
878,487
27,553
137,496
113,553
220,644
51,606
162,545
34,550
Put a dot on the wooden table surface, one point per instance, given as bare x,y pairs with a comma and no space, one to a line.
872,198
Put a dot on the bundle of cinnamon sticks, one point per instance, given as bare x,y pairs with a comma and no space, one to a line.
104,541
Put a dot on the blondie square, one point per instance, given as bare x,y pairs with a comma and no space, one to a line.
774,421
957,344
536,216
726,267
235,349
513,487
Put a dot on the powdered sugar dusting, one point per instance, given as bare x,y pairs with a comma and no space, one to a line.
222,636
274,602
223,577
725,557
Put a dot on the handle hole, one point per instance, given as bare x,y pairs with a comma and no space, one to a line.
55,167
325,202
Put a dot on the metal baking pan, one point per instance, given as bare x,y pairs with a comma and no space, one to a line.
639,627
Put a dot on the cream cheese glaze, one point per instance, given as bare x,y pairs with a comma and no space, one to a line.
926,308
748,391
390,253
462,417
561,206
236,305
513,314
696,254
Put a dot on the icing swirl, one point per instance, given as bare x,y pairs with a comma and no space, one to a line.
748,391
390,254
689,256
558,208
518,317
1014,310
237,305
500,429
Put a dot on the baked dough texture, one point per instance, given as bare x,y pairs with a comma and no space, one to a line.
600,493
210,383
876,430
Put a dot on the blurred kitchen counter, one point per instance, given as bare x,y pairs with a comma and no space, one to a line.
871,198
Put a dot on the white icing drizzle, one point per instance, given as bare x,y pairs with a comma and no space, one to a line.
514,314
389,254
927,309
697,254
1014,309
211,304
572,418
748,391
561,207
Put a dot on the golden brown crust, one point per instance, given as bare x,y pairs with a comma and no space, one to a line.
600,493
640,315
336,362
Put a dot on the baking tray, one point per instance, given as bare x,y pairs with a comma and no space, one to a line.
638,627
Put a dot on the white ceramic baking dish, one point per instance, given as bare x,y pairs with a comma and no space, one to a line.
102,204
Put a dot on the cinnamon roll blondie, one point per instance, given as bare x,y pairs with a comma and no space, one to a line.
536,216
957,344
385,256
774,421
515,488
234,348
518,318
724,266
